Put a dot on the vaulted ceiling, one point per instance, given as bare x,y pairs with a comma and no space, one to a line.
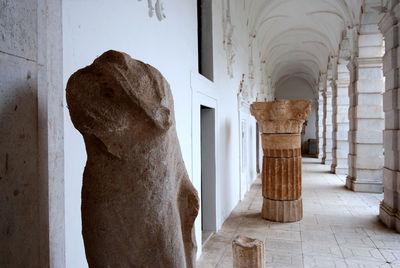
296,37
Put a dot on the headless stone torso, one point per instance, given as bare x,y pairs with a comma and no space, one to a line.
138,205
133,207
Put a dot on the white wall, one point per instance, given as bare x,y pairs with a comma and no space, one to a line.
297,89
91,27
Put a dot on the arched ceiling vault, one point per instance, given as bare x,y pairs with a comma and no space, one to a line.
297,37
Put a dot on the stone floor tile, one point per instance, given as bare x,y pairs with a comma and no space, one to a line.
283,235
318,237
323,262
309,219
354,240
278,258
343,229
362,254
366,264
387,243
283,246
225,262
391,256
292,226
340,228
205,264
315,227
322,250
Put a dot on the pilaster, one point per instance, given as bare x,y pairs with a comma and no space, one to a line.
389,210
327,132
321,121
340,120
366,111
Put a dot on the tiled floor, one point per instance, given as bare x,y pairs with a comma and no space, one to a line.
340,228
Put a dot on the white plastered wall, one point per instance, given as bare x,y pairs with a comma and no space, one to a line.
170,45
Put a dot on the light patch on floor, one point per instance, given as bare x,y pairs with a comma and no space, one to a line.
340,228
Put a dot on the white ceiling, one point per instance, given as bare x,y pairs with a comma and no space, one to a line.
297,37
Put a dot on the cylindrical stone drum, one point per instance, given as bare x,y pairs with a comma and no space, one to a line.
247,252
281,177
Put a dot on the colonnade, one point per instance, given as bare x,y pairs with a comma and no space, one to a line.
358,112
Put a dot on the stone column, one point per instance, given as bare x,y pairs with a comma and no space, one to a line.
327,134
340,107
247,253
390,206
366,113
280,123
321,120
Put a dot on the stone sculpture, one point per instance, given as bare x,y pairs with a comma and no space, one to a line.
247,252
138,204
280,123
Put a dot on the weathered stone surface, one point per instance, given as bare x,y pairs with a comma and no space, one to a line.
282,178
280,124
247,252
138,204
281,116
281,210
389,212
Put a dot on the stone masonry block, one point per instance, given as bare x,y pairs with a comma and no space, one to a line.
369,174
392,79
392,38
390,160
391,119
370,123
370,98
370,40
370,85
369,111
390,60
370,73
370,52
390,179
390,100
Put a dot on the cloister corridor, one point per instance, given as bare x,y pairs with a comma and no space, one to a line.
340,228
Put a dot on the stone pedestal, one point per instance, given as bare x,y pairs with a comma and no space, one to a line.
280,123
247,253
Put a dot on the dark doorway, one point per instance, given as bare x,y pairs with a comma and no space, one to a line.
208,171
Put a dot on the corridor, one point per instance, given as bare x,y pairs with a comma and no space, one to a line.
340,228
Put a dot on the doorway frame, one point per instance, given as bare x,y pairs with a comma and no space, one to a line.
203,94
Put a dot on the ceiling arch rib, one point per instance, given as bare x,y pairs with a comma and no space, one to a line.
289,70
285,78
297,37
302,54
288,65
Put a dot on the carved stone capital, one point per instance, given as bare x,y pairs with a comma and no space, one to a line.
281,116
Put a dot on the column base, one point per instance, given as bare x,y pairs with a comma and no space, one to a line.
364,186
389,216
339,170
282,210
326,161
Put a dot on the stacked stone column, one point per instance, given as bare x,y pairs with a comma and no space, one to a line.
366,113
340,104
280,123
327,133
390,206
